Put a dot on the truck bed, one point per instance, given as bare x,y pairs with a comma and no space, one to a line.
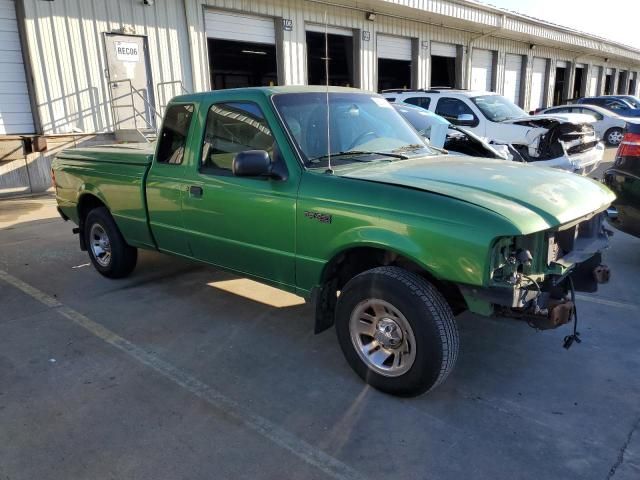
115,174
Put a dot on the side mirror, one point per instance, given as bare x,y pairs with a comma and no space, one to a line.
252,163
465,120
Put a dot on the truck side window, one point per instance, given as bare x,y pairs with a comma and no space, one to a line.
452,108
422,102
232,128
173,136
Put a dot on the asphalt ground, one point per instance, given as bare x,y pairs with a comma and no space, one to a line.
183,371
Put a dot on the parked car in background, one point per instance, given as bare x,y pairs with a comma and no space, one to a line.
609,126
441,133
564,141
631,99
612,103
624,179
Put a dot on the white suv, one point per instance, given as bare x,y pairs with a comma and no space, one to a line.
565,141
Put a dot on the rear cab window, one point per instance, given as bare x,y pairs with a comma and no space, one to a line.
173,136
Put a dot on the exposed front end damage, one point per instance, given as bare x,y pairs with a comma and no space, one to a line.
535,277
559,144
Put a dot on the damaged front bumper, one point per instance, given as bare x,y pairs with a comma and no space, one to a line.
535,277
583,163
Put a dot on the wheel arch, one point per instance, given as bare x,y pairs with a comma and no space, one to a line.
87,200
355,259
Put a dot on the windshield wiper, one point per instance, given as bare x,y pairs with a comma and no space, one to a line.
358,152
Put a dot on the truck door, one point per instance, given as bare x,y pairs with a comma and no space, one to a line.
166,183
242,223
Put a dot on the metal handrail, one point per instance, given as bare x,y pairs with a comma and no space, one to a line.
163,97
133,90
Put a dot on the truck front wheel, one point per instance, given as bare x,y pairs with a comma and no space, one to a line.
396,331
108,251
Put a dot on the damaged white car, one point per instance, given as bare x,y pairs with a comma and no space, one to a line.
565,141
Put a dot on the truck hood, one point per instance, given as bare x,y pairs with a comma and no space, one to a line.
531,198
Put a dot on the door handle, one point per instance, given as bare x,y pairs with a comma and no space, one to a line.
195,191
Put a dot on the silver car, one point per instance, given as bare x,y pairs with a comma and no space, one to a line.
609,126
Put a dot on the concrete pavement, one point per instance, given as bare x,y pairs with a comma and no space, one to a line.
182,371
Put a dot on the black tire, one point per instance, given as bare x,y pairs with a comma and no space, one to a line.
426,311
610,132
123,257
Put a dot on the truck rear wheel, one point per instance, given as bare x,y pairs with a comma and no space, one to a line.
108,251
396,331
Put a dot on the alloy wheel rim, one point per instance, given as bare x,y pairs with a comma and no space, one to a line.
100,245
615,137
382,337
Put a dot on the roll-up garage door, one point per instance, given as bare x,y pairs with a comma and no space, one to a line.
595,79
395,48
15,115
443,49
243,28
512,77
538,77
312,27
481,69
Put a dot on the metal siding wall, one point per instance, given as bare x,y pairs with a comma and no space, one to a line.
15,108
66,49
66,45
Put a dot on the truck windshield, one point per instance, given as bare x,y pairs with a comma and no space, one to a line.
498,108
363,128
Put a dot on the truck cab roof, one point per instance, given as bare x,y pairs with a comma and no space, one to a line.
267,91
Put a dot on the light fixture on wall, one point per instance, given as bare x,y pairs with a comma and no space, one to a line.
148,3
371,16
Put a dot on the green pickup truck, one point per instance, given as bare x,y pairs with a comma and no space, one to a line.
331,195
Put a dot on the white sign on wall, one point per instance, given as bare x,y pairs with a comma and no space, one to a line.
127,51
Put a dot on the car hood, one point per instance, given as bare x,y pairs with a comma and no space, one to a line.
560,117
531,198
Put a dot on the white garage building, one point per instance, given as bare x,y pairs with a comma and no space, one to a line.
82,71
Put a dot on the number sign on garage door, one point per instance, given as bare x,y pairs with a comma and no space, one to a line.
481,69
512,77
394,48
538,82
243,28
15,115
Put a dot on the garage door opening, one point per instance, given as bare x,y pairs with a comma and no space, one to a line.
443,65
236,64
482,70
577,83
394,62
513,78
608,82
622,83
340,59
242,49
559,86
594,85
443,71
393,74
538,84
